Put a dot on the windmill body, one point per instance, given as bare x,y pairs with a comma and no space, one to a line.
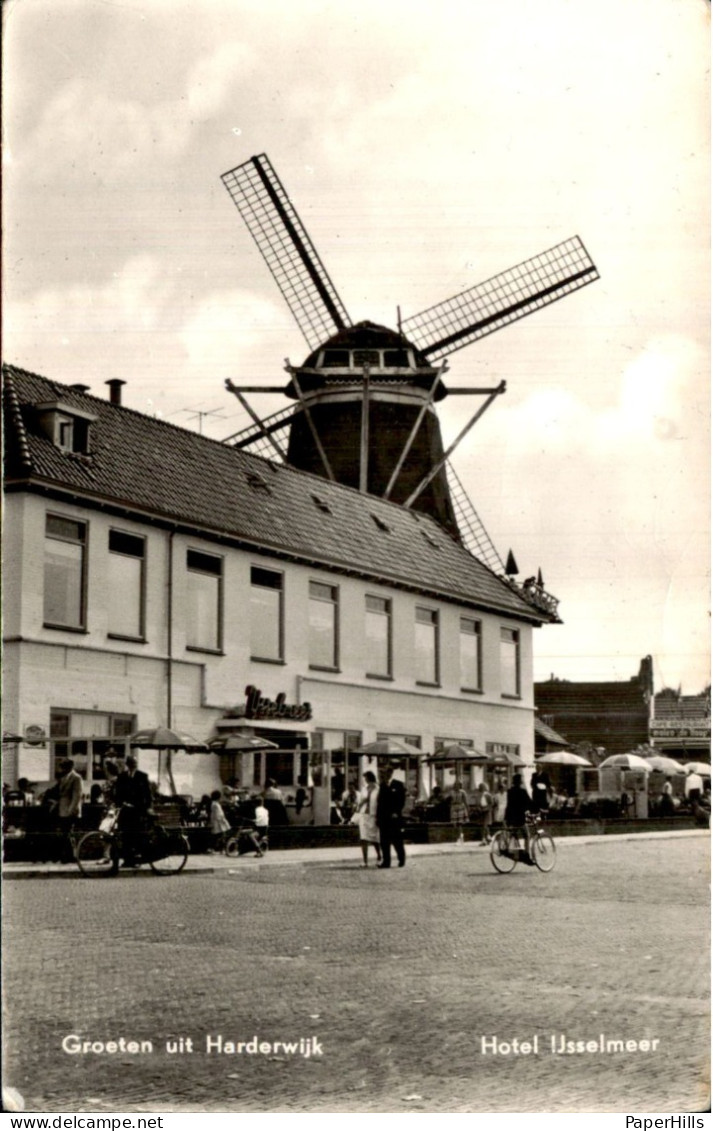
365,389
365,396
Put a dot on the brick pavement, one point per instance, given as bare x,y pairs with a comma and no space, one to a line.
397,975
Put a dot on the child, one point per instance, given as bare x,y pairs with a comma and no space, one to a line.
257,836
219,824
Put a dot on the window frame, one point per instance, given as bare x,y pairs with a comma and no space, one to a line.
478,634
388,613
280,659
516,642
141,637
120,726
83,570
217,650
435,622
334,601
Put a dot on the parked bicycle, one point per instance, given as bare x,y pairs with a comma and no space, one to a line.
529,845
99,852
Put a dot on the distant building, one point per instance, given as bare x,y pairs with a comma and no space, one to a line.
681,726
615,715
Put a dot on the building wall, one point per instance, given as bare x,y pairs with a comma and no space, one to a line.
88,670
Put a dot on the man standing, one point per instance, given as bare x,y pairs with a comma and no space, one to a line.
389,809
133,794
69,805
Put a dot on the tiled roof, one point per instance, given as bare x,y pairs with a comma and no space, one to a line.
542,730
174,475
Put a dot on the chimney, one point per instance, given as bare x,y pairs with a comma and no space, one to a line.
115,389
80,388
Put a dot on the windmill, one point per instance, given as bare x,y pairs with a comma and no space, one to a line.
365,395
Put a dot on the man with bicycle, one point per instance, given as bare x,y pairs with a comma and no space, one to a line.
519,804
133,796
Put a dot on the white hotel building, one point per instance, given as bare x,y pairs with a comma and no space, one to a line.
152,575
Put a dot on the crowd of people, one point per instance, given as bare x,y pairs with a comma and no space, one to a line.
377,809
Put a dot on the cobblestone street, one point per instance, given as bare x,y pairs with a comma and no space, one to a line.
392,980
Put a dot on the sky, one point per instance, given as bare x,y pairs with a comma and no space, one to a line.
426,147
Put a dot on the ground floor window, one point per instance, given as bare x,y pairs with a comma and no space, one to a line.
410,765
88,738
284,766
505,760
445,776
342,745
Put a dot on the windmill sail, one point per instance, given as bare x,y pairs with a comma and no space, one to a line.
287,249
474,313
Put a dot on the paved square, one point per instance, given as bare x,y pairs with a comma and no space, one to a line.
420,989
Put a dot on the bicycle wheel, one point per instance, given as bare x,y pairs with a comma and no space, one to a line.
543,851
169,852
97,855
503,851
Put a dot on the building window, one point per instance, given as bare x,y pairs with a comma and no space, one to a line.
127,554
88,738
446,776
323,625
412,739
65,433
266,616
342,746
509,662
65,564
204,598
471,673
378,637
426,646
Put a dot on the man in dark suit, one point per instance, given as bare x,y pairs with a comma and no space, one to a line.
133,794
519,804
390,803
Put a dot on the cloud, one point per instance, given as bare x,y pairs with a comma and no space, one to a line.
227,329
87,131
212,78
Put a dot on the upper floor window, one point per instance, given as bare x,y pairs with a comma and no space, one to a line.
471,675
126,585
426,646
509,662
378,636
266,614
65,572
204,601
323,625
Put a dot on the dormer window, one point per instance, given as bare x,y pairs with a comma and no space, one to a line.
66,426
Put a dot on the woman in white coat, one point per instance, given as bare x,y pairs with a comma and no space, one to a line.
366,819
